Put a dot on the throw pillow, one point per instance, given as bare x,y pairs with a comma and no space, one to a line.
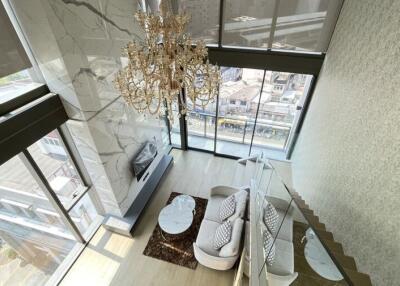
271,217
269,247
222,234
227,208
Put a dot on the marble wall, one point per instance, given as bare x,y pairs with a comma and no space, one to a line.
77,45
346,163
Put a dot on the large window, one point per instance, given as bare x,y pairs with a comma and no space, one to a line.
46,211
291,25
239,96
204,19
15,85
247,23
257,110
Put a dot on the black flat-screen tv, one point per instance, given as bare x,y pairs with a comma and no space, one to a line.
143,158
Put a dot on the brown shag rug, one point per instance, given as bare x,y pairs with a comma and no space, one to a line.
177,250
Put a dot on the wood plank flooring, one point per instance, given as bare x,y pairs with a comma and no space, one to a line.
113,259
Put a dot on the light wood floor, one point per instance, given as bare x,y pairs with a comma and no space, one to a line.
112,259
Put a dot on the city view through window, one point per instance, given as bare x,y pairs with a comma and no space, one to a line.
254,108
34,239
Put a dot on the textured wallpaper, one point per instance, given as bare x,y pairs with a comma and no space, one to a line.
346,163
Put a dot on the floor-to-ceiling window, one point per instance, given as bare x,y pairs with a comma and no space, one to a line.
238,101
47,211
255,111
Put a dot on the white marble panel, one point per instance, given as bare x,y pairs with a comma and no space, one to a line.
118,133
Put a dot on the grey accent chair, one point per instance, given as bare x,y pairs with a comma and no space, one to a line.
205,253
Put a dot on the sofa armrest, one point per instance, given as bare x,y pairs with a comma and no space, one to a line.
223,191
277,280
214,262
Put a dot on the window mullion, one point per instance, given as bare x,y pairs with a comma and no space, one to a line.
73,152
39,177
273,25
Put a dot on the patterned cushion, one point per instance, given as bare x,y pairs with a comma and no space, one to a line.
271,218
227,208
223,234
269,247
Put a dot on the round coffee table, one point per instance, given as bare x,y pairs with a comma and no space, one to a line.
184,201
176,218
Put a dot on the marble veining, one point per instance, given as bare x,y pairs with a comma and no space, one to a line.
78,47
174,220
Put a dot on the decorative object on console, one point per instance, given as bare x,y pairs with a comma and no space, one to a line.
270,217
227,207
222,234
167,62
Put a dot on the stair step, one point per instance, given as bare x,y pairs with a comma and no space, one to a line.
308,211
301,204
333,246
357,278
324,234
314,221
345,261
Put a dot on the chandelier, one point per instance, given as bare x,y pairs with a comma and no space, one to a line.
164,64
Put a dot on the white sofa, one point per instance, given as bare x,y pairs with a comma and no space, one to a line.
205,253
282,270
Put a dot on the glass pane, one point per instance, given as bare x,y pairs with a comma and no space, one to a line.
55,163
237,106
201,127
204,19
282,94
311,259
302,25
175,127
247,23
33,238
84,214
15,85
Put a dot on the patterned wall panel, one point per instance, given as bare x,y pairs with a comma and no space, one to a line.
346,163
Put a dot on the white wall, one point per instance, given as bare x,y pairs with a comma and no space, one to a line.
346,163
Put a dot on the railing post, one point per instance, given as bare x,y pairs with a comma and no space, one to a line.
205,125
244,132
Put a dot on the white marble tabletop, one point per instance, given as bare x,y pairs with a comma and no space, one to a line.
174,219
184,201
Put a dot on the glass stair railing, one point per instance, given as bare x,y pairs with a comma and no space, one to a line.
306,253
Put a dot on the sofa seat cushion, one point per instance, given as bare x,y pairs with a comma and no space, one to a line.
212,210
286,230
284,258
205,237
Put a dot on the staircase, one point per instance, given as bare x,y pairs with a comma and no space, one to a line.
346,264
247,170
